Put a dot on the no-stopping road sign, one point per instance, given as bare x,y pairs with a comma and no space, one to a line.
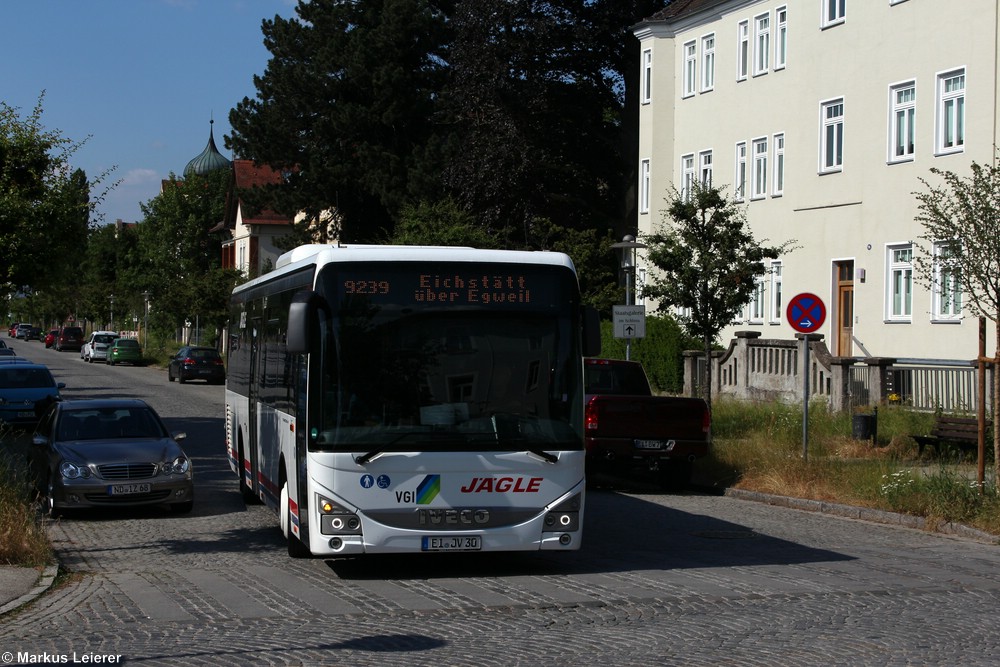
806,312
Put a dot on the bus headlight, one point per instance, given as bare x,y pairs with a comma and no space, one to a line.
564,516
335,519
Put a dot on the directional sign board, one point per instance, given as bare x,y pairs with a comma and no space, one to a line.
630,321
806,312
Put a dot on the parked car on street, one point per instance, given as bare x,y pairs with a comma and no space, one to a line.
50,337
96,347
12,331
197,363
7,352
125,351
23,331
108,453
69,338
26,390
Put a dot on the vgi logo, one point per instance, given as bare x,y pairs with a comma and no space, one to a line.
426,492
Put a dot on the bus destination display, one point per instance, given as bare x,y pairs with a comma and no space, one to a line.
461,288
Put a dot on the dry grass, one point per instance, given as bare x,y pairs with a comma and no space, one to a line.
23,540
759,447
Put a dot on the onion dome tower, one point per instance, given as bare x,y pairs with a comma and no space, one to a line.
209,159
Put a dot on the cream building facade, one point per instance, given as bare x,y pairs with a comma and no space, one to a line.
821,117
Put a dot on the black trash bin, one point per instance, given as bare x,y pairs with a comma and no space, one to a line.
865,427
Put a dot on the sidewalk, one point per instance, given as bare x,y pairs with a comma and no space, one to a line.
20,585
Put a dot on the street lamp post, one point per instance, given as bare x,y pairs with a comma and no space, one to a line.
112,299
145,318
627,247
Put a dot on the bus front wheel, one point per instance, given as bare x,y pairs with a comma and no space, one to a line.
295,547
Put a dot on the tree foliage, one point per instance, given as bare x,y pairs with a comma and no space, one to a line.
961,242
707,263
44,205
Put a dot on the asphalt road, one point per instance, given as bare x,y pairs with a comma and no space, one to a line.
665,579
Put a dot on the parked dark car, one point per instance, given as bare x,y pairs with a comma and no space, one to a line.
197,363
50,337
69,338
108,453
35,333
26,390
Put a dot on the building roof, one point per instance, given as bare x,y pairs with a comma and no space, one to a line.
680,8
246,175
209,159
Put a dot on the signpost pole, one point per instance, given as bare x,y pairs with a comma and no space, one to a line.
806,313
805,397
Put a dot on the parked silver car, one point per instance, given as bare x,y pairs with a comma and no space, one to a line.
108,453
97,346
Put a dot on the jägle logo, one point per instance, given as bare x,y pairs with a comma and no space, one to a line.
427,491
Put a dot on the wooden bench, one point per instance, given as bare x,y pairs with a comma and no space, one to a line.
960,432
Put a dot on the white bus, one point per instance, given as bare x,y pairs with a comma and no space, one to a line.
391,399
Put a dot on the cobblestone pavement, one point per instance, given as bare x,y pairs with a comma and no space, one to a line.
662,579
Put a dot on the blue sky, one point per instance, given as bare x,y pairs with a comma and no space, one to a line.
140,78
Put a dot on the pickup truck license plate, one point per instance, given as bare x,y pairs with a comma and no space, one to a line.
452,543
655,444
127,489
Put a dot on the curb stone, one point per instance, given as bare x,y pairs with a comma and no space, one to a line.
864,514
44,582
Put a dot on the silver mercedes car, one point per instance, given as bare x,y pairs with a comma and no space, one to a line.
108,453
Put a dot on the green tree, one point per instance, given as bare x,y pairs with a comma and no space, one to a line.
45,205
960,254
345,110
707,262
180,259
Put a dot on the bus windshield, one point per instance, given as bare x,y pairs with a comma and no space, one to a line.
471,357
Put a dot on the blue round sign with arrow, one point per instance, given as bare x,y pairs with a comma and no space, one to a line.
806,312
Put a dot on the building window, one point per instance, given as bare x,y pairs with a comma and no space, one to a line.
781,38
687,176
903,100
756,314
690,68
833,12
900,282
644,186
741,170
647,76
775,305
742,50
779,166
759,168
705,169
832,137
762,43
707,63
951,111
947,283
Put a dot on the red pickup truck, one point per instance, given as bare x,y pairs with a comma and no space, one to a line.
629,429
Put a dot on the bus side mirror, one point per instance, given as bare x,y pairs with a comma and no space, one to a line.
591,332
303,322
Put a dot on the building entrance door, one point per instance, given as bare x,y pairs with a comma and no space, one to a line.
845,308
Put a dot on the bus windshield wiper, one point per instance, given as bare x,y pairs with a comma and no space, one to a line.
541,453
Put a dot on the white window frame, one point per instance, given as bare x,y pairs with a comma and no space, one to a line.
950,113
833,12
899,282
687,176
778,181
742,50
761,44
902,116
775,305
758,168
831,159
755,309
947,287
705,168
740,177
690,68
708,62
781,37
647,76
644,186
